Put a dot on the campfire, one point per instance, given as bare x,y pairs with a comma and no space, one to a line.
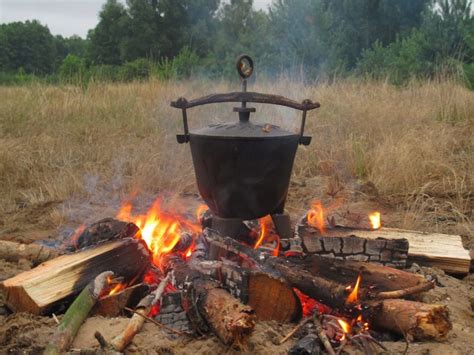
237,259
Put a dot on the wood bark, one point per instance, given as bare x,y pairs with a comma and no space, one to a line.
209,306
77,313
41,289
35,253
418,321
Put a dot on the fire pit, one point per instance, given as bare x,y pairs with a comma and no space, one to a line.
338,276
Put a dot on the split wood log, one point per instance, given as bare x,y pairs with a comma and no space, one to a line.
428,249
208,305
345,243
121,341
418,321
41,289
112,305
35,253
77,313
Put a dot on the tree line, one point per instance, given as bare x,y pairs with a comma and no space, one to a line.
317,39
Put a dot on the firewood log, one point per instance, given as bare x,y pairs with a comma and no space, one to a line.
208,305
418,321
41,289
36,253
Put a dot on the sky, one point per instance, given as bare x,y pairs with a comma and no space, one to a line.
64,17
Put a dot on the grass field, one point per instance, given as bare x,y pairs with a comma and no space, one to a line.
414,143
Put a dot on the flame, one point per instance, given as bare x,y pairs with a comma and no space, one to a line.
159,230
316,216
375,220
354,295
346,328
119,287
265,226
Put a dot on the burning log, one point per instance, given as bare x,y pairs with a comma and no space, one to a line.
106,229
322,278
208,305
35,253
416,320
41,289
121,341
77,313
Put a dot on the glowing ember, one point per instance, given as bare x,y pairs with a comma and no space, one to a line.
159,230
316,216
375,220
354,295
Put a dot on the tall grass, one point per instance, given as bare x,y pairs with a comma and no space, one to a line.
414,143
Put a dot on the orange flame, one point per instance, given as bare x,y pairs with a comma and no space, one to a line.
354,295
119,287
265,225
346,328
375,220
159,230
316,216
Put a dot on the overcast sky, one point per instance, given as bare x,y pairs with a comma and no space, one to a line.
64,17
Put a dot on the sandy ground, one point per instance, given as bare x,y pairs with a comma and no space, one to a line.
27,334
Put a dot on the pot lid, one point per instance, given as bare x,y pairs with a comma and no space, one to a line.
243,129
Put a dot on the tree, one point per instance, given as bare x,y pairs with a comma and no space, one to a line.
27,45
106,38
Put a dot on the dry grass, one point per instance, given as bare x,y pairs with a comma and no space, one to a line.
415,143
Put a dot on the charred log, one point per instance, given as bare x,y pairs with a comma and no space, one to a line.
208,305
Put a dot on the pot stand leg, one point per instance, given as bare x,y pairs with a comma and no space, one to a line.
230,227
282,224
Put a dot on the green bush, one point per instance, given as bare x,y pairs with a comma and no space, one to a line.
139,69
105,73
72,70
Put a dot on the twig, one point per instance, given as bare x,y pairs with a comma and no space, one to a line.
55,318
121,341
405,292
100,338
155,321
295,329
322,335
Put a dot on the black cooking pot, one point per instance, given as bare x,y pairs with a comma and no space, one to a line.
243,169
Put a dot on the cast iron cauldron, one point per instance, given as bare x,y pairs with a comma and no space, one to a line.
243,169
